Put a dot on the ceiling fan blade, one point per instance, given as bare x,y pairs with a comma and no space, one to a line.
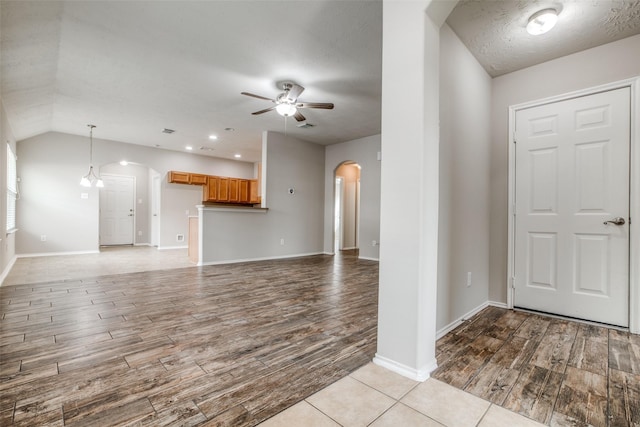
299,117
294,92
323,105
263,111
256,96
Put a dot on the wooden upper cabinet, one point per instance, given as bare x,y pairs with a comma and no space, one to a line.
253,191
220,188
197,179
243,191
223,189
178,177
234,190
210,191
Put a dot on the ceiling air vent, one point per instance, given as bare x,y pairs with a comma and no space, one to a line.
167,130
207,148
305,125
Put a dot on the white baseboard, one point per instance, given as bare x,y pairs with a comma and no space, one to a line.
236,261
142,244
498,304
349,248
369,258
167,248
406,371
7,269
451,326
57,253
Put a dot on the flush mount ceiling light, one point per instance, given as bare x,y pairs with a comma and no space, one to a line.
542,21
91,178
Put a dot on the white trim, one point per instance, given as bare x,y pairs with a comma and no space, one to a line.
368,258
7,269
236,261
451,326
168,248
57,253
634,202
142,244
350,248
414,374
498,304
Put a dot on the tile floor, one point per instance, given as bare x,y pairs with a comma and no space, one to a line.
370,396
374,396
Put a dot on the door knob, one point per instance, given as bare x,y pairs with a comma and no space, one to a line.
616,221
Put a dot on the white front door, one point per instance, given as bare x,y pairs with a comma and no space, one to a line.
116,210
572,175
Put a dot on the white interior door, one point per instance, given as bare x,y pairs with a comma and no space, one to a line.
572,175
116,210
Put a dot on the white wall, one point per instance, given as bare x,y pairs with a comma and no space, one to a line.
604,64
465,138
363,151
7,242
50,166
297,218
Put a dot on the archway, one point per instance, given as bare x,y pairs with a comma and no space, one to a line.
346,207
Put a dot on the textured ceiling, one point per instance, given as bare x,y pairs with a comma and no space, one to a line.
495,30
133,68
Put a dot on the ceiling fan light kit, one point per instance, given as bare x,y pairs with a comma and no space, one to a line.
542,21
286,103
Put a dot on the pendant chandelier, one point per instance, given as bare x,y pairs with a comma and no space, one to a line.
91,178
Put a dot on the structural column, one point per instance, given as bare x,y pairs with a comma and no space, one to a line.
409,187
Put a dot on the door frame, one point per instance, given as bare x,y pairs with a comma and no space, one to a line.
634,190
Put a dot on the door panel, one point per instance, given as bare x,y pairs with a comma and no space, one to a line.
116,210
572,175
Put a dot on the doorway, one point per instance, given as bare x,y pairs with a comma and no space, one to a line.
570,198
347,207
117,215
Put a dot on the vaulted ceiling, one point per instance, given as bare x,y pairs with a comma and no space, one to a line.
133,68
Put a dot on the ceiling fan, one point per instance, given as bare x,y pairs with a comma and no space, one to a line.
286,104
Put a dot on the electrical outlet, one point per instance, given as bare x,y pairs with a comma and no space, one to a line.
282,242
468,279
43,237
179,237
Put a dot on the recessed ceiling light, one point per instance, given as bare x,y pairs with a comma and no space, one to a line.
542,21
213,137
188,147
124,162
237,156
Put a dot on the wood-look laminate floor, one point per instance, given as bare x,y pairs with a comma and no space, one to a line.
557,372
218,345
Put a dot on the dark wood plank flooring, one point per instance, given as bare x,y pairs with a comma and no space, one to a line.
225,345
555,371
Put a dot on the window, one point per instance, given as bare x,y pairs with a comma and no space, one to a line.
12,189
